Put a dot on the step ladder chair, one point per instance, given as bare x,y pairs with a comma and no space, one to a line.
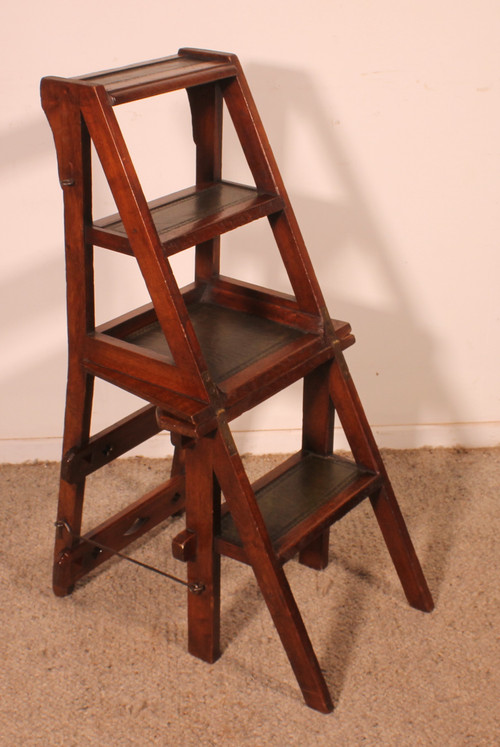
201,356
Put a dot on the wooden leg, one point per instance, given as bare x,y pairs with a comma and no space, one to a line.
179,467
317,436
315,554
76,433
401,549
385,505
203,518
178,461
269,573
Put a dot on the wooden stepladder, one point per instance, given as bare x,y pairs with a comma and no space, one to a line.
202,355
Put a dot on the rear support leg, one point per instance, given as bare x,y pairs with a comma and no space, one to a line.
203,519
317,436
384,503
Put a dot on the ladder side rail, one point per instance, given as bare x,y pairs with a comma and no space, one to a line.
72,144
143,236
265,171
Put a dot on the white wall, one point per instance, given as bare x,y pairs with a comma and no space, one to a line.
385,122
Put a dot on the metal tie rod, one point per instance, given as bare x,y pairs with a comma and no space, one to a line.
193,587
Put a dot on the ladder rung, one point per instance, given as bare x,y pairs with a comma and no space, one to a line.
299,499
191,216
109,444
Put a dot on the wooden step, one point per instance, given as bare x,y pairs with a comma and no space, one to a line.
188,68
274,356
220,332
191,216
299,499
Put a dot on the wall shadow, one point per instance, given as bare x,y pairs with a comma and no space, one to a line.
35,291
25,142
393,338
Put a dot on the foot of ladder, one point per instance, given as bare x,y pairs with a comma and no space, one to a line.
269,572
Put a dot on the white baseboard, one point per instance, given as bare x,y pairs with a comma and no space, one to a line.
468,435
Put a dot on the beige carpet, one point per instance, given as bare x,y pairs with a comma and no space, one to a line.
108,665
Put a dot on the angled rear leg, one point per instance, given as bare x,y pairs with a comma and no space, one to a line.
384,503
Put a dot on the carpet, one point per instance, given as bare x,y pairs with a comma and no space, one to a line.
108,665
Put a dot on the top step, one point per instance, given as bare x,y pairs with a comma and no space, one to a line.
188,68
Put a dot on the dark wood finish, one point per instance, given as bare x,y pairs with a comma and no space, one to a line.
184,545
109,444
73,151
190,217
203,518
317,437
203,355
384,503
268,571
206,113
299,499
159,76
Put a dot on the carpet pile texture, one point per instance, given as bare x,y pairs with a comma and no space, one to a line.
108,665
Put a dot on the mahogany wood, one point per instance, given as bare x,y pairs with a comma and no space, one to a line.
190,217
203,355
203,519
109,444
317,437
184,545
160,76
298,500
119,530
206,114
268,571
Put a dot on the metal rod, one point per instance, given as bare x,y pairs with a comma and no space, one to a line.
194,588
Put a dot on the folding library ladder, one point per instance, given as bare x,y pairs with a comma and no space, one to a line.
202,355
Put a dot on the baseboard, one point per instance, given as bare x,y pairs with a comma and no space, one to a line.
448,435
467,435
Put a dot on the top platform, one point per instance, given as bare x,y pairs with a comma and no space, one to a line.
188,68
